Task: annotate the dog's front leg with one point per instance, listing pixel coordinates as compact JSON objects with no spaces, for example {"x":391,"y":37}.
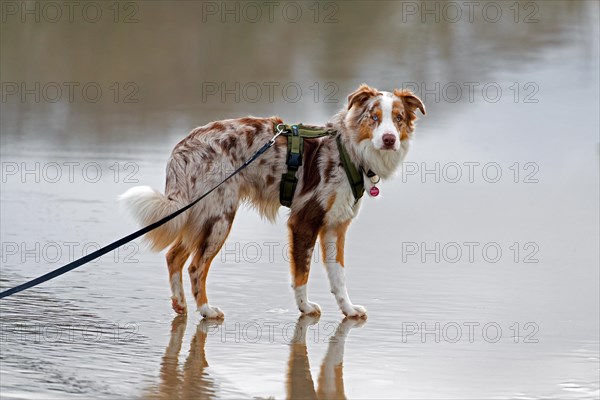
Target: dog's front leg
{"x":332,"y":242}
{"x":303,"y":234}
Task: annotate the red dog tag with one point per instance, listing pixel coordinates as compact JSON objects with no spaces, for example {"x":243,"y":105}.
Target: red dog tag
{"x":374,"y":191}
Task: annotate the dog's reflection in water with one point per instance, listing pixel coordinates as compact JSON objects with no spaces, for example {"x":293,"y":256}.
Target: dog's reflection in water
{"x":330,"y":385}
{"x":194,"y":382}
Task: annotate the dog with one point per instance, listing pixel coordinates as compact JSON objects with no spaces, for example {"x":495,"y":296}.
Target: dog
{"x":375,"y":127}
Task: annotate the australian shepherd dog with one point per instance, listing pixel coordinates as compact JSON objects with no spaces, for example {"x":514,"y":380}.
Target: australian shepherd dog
{"x":375,"y":127}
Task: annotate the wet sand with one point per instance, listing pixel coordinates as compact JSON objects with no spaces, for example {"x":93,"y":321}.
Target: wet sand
{"x":449,"y":316}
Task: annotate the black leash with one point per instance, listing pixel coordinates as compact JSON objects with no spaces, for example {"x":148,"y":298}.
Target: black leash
{"x":114,"y":245}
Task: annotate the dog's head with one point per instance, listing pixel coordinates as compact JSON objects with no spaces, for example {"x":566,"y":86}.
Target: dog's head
{"x":382,"y":120}
{"x":380,"y":125}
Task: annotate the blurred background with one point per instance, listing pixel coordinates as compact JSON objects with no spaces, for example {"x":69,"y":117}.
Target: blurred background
{"x":96,"y":94}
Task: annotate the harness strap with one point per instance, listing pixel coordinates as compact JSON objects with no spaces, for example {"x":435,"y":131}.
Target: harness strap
{"x":295,"y":135}
{"x":289,"y":181}
{"x":305,"y":131}
{"x":355,"y":177}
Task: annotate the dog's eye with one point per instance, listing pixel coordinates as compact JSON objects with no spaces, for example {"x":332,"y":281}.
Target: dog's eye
{"x":398,"y":117}
{"x":375,"y":118}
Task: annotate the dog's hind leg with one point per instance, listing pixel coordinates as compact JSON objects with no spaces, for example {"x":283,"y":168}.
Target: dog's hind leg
{"x":176,"y":258}
{"x":214,"y":232}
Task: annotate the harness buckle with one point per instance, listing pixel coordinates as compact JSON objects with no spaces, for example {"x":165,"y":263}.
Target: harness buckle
{"x":294,"y":160}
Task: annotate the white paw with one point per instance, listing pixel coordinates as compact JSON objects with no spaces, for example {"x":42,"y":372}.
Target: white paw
{"x":355,"y":312}
{"x":309,"y":308}
{"x":302,"y":325}
{"x":208,"y":326}
{"x":211,"y":312}
{"x":349,"y":323}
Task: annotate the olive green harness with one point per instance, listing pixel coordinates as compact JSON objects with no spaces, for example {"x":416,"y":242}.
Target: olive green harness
{"x":295,"y":136}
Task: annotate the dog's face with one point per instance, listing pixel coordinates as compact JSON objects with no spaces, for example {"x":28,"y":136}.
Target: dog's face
{"x":382,"y":120}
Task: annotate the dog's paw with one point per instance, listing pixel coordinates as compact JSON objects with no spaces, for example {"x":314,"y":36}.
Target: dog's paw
{"x":355,"y":312}
{"x":211,"y":312}
{"x":309,"y":308}
{"x":207,"y":326}
{"x":179,"y":307}
{"x":306,"y":320}
{"x":303,"y":324}
{"x":349,"y":323}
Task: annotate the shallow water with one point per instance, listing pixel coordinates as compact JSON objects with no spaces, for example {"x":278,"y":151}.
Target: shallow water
{"x":443,"y":323}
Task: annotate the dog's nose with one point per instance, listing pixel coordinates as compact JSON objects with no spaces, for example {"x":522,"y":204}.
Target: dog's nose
{"x":388,"y":139}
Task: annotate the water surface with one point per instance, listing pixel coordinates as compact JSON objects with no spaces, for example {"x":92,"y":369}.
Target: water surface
{"x":107,"y":330}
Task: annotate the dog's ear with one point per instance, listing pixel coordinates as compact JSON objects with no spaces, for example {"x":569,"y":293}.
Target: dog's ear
{"x":410,"y":101}
{"x":361,"y":95}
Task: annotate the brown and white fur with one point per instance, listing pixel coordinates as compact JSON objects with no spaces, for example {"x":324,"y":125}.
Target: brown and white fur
{"x":375,"y":127}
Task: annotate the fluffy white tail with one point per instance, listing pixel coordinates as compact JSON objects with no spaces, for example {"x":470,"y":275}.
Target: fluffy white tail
{"x":147,"y":206}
